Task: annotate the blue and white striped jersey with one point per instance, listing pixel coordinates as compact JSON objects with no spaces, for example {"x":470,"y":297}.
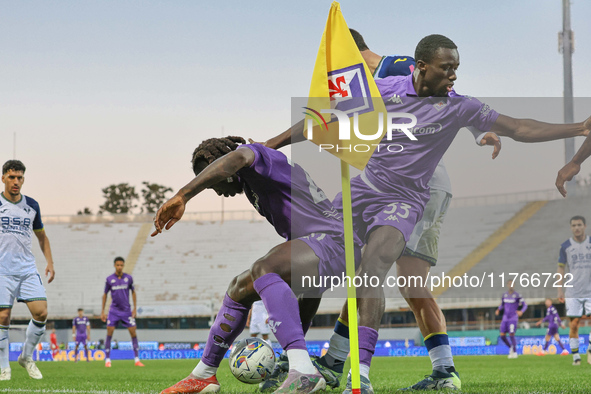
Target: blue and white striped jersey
{"x":577,"y":256}
{"x":17,"y":223}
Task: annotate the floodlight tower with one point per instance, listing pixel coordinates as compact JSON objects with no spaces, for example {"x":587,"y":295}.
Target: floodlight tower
{"x":566,"y":47}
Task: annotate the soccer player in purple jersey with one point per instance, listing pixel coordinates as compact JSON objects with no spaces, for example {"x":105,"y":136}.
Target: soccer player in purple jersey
{"x":301,"y":213}
{"x":421,"y":249}
{"x":120,"y":285}
{"x":510,"y":304}
{"x":554,"y":322}
{"x":390,"y":195}
{"x":81,"y":333}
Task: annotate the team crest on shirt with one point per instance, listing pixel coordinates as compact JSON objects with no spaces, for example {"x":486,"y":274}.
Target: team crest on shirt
{"x":349,"y":90}
{"x":125,"y":280}
{"x":112,"y":280}
{"x":440,"y":105}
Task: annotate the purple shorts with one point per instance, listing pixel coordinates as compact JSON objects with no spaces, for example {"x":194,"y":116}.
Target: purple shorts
{"x":80,"y":340}
{"x":552,"y":330}
{"x":508,"y":326}
{"x":118,"y":316}
{"x":331,"y":252}
{"x":372,"y":208}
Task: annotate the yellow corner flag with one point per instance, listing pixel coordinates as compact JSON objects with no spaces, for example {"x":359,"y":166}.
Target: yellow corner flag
{"x":343,"y":118}
{"x":344,"y":91}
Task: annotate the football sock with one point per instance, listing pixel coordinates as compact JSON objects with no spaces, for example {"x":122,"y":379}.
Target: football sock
{"x":368,"y":337}
{"x":228,"y":324}
{"x":284,"y":319}
{"x":574,"y":348}
{"x":203,"y":371}
{"x":560,"y":344}
{"x":338,"y":348}
{"x":547,"y":344}
{"x":437,"y":345}
{"x":108,"y":347}
{"x":33,"y":335}
{"x":4,"y":348}
{"x":299,"y":360}
{"x":364,"y":370}
{"x":136,"y":348}
{"x":504,"y":338}
{"x":513,"y":343}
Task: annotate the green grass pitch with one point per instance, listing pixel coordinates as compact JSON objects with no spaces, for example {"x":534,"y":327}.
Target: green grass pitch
{"x":480,"y":374}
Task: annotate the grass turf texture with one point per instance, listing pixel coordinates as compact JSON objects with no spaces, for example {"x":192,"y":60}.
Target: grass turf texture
{"x":480,"y":374}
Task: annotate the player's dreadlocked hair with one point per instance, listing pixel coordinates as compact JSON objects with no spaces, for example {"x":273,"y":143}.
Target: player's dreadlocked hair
{"x":212,"y":149}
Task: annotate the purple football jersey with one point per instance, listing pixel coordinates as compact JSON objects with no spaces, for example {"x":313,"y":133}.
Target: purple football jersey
{"x":119,"y":288}
{"x":284,"y":193}
{"x":552,"y":317}
{"x":510,"y":303}
{"x":403,"y":166}
{"x":80,"y":323}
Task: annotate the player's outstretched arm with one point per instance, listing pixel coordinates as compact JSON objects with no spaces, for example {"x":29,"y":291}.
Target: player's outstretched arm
{"x":218,"y":171}
{"x":46,"y":249}
{"x":529,"y":130}
{"x":290,"y":136}
{"x":573,"y":167}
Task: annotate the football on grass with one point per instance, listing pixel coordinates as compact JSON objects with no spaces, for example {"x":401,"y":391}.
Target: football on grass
{"x":252,"y":360}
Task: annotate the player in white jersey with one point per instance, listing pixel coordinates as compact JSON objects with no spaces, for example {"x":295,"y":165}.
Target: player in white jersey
{"x":20,"y":217}
{"x":257,"y":321}
{"x":575,"y":253}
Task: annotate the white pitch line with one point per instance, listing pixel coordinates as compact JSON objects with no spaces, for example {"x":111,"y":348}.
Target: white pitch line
{"x":67,"y":391}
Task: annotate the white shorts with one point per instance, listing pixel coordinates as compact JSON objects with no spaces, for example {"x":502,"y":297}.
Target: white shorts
{"x":576,"y":306}
{"x":259,"y":327}
{"x":424,"y":240}
{"x":24,"y":288}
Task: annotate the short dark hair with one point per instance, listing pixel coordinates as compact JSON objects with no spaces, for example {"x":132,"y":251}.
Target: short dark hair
{"x":80,"y":309}
{"x":118,"y":258}
{"x":212,"y":149}
{"x":428,"y":46}
{"x":359,"y":41}
{"x":578,"y":217}
{"x":14,"y":165}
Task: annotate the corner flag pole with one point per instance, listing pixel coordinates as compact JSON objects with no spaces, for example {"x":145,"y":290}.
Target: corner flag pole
{"x":350,"y":265}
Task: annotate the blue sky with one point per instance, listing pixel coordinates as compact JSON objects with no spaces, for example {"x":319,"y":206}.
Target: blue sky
{"x":111,"y":91}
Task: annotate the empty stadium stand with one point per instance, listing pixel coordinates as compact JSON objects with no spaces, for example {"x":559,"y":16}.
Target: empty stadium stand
{"x":185,"y":271}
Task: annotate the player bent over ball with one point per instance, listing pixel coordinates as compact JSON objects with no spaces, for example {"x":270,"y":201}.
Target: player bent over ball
{"x":301,"y":213}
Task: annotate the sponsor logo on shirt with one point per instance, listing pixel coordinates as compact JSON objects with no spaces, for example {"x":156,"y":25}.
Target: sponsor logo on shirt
{"x":485,"y":109}
{"x":427,"y":128}
{"x":119,"y":287}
